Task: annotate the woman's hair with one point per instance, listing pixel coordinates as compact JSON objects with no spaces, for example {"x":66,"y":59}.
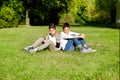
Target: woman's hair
{"x":52,"y":25}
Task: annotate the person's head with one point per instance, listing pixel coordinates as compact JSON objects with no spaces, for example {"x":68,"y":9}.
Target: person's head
{"x":52,"y":29}
{"x":66,"y":28}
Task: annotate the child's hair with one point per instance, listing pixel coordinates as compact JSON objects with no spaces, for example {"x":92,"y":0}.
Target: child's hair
{"x":66,"y":25}
{"x":52,"y":25}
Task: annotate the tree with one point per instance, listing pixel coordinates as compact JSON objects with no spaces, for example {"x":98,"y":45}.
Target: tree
{"x":46,"y":11}
{"x":26,"y":5}
{"x":100,"y":12}
{"x":38,"y":12}
{"x":118,"y":14}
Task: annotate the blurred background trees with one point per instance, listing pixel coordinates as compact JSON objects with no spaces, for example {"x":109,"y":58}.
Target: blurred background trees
{"x":11,"y":13}
{"x":41,"y":12}
{"x":118,"y":14}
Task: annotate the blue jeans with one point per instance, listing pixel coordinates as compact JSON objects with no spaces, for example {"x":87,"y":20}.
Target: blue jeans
{"x":72,"y":43}
{"x":82,"y":41}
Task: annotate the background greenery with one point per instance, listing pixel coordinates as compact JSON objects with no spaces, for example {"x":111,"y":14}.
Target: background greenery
{"x":41,"y":12}
{"x":17,"y":64}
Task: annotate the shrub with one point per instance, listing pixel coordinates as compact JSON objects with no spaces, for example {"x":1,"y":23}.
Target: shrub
{"x":11,"y":13}
{"x":8,"y":18}
{"x":100,"y":17}
{"x":68,"y":17}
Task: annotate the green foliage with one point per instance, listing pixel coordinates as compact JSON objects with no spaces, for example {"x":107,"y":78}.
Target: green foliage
{"x":76,"y":12}
{"x":59,"y":11}
{"x":45,"y":11}
{"x":7,"y":17}
{"x":68,"y":17}
{"x":102,"y":12}
{"x":11,"y":13}
{"x":118,"y":14}
{"x":97,"y":11}
{"x":82,"y":11}
{"x":100,"y":17}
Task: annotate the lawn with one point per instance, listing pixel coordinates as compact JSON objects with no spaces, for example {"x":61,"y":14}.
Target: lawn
{"x":17,"y":64}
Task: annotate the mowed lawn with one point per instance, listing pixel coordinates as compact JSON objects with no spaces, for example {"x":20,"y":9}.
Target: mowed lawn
{"x":17,"y":64}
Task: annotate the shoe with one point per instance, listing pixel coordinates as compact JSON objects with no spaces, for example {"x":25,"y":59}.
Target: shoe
{"x":91,"y":50}
{"x":84,"y":51}
{"x":28,"y":48}
{"x":33,"y":50}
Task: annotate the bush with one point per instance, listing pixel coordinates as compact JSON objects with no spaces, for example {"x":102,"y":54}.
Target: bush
{"x":8,"y":18}
{"x":11,"y":13}
{"x":68,"y":17}
{"x":100,"y":17}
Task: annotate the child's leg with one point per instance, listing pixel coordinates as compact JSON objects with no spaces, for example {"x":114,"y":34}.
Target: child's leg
{"x":77,"y":43}
{"x":82,"y":41}
{"x":41,"y":47}
{"x":69,"y":46}
{"x":52,"y":46}
{"x":38,"y":42}
{"x":34,"y":45}
{"x":44,"y":46}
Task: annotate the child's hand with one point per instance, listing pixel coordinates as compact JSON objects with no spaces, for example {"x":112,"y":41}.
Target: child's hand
{"x":82,"y":35}
{"x":45,"y":41}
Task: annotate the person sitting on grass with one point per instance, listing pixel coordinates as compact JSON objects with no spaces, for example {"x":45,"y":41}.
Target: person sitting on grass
{"x":52,"y":41}
{"x":69,"y":40}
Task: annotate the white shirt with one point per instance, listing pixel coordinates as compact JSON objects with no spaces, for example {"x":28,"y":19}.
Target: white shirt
{"x":52,"y":38}
{"x":64,"y":38}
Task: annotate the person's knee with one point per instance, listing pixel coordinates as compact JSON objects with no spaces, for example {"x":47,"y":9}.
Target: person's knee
{"x":49,"y":42}
{"x":41,"y":39}
{"x":70,"y":41}
{"x":75,"y":40}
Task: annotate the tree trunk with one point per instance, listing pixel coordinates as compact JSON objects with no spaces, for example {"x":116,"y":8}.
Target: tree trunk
{"x":27,"y":14}
{"x":118,"y":14}
{"x":27,"y":19}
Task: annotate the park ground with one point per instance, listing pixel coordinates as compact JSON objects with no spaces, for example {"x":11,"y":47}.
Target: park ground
{"x":17,"y":64}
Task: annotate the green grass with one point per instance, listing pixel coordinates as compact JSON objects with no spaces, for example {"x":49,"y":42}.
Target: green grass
{"x":16,"y":64}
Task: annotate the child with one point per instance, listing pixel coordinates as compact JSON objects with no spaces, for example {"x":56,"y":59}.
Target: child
{"x":52,"y":41}
{"x":69,"y":40}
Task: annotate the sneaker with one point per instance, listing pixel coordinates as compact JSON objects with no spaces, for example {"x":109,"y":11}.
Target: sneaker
{"x":33,"y":50}
{"x":28,"y":48}
{"x":91,"y":50}
{"x":84,"y":51}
